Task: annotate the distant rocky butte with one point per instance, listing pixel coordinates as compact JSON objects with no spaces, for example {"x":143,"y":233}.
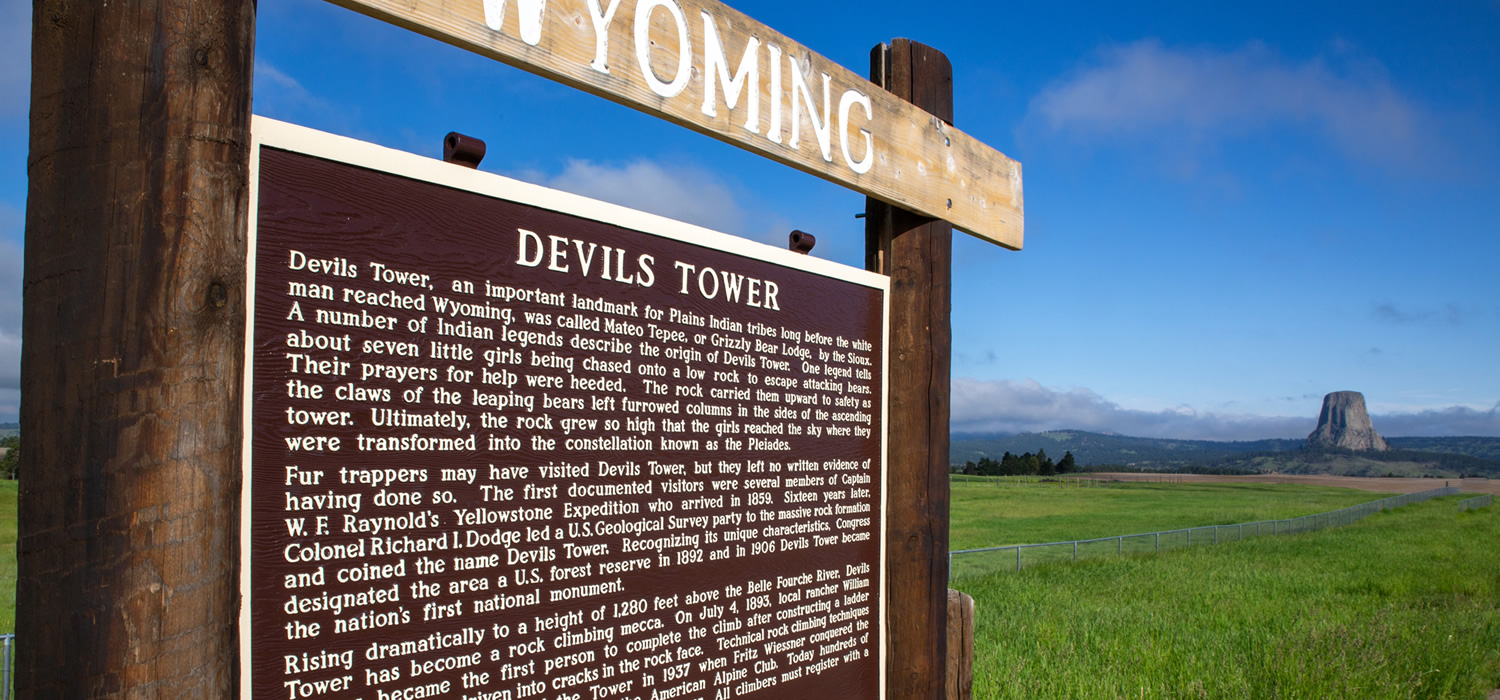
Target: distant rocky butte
{"x":1345,"y":424}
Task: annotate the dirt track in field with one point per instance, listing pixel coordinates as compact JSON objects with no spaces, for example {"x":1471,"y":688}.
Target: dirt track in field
{"x":1348,"y":482}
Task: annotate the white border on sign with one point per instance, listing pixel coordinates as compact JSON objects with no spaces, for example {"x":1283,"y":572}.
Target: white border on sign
{"x":299,"y":139}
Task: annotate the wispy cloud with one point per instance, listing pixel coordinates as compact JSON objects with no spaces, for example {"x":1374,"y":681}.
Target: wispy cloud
{"x":10,"y":361}
{"x":1449,"y":314}
{"x":15,"y":58}
{"x":1025,"y":406}
{"x":280,"y":95}
{"x":1196,"y":97}
{"x":685,"y":193}
{"x":11,"y":271}
{"x":12,"y":221}
{"x":987,"y":357}
{"x":10,"y":324}
{"x":1444,"y":422}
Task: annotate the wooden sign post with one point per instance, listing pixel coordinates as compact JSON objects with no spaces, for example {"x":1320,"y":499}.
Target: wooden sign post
{"x":135,"y":301}
{"x":916,"y":252}
{"x":134,"y":327}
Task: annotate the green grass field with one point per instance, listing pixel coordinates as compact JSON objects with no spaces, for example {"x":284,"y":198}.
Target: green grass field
{"x":985,"y":515}
{"x":8,"y":491}
{"x":1404,"y":604}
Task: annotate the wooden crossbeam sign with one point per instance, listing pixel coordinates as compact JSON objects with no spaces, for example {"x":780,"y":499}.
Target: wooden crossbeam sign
{"x":708,"y":67}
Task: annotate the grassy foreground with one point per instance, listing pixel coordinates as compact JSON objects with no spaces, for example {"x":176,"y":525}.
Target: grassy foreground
{"x":985,"y":515}
{"x":1404,"y":604}
{"x":8,"y":492}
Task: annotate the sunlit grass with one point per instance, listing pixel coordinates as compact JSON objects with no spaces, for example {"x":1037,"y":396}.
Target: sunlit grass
{"x":986,"y":515}
{"x":8,"y":491}
{"x":1404,"y":604}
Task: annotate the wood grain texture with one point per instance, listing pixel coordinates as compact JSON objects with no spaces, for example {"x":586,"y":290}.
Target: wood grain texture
{"x":960,"y":646}
{"x":134,"y":327}
{"x":916,"y":252}
{"x":920,"y":161}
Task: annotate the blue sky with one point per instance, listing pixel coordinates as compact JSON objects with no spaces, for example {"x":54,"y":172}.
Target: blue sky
{"x":1229,"y":212}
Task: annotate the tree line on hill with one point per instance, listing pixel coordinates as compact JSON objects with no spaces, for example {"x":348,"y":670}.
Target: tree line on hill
{"x":1394,"y":462}
{"x":1028,"y":464}
{"x":1437,"y":457}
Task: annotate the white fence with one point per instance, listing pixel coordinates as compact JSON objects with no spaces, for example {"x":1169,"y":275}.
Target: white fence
{"x":1475,"y":502}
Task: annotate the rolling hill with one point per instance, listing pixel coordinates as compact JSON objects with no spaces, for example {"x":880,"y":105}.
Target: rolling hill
{"x":1421,"y":456}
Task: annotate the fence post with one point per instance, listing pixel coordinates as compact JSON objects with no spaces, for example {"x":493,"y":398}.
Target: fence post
{"x":5,"y":679}
{"x":960,"y":668}
{"x":1158,"y":542}
{"x":1018,"y":558}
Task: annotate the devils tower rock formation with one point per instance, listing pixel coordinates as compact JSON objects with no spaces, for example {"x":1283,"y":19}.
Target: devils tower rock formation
{"x":1345,"y":424}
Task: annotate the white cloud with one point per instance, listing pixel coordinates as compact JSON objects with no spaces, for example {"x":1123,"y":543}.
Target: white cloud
{"x":10,"y":328}
{"x":11,"y":271}
{"x":279,"y":95}
{"x":1197,"y":96}
{"x":1444,"y":422}
{"x":679,"y":192}
{"x":1450,"y":314}
{"x":12,"y":221}
{"x":696,"y":196}
{"x":10,"y":363}
{"x":10,"y":405}
{"x":1025,"y":406}
{"x":15,"y":58}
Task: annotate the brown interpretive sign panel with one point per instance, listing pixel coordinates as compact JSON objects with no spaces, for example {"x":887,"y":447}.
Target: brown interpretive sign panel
{"x":504,"y":442}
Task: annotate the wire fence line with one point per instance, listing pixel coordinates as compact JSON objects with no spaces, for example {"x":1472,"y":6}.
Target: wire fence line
{"x":1475,"y":502}
{"x":970,"y":562}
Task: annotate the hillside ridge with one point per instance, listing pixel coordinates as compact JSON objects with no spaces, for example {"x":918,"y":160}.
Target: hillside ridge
{"x":1416,"y":456}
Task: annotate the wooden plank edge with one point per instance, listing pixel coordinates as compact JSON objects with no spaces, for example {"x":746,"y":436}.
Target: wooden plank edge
{"x":999,"y":222}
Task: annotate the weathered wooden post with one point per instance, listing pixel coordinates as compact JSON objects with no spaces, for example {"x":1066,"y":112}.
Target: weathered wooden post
{"x":135,"y":313}
{"x":916,"y":252}
{"x":134,"y":326}
{"x":960,"y":673}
